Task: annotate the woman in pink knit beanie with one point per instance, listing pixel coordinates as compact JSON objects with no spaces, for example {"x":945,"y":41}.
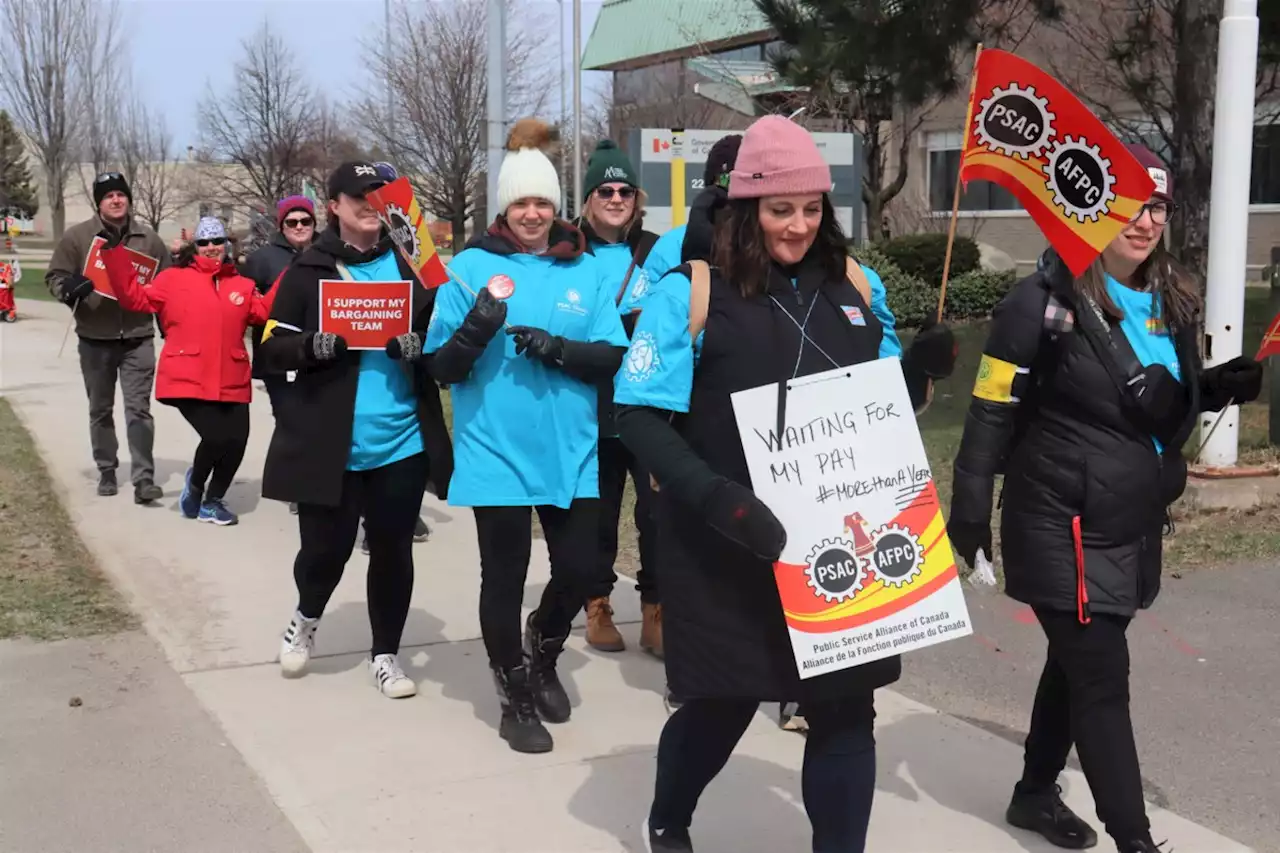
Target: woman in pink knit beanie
{"x":784,"y":300}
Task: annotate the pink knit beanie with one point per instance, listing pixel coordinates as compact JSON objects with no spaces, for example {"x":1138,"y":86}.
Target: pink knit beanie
{"x":778,"y":157}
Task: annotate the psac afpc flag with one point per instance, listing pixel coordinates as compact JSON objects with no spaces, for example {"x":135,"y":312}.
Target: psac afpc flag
{"x":1029,"y":134}
{"x":868,"y":570}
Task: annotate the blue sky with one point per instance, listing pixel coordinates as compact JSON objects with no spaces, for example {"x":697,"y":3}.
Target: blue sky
{"x":178,"y":45}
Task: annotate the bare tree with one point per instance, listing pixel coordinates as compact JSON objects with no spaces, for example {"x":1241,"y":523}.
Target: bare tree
{"x":330,"y":143}
{"x":38,"y":43}
{"x":101,"y":72}
{"x":148,"y":162}
{"x":435,"y":67}
{"x":255,"y":137}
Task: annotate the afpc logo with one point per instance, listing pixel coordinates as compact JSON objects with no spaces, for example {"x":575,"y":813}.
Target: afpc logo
{"x":1080,"y":179}
{"x":642,"y":358}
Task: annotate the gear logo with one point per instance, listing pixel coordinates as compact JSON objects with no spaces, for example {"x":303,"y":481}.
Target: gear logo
{"x":1015,"y":121}
{"x":833,"y":570}
{"x":403,"y":234}
{"x":897,"y":558}
{"x":642,"y":357}
{"x":1080,"y":179}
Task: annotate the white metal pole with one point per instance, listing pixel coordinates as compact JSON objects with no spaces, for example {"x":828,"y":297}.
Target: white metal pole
{"x":564,"y":113}
{"x":391,"y":108}
{"x":497,"y":110}
{"x":1229,"y":207}
{"x":577,"y":103}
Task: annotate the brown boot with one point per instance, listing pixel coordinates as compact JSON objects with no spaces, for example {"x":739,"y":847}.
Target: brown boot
{"x":651,"y":629}
{"x":602,"y":634}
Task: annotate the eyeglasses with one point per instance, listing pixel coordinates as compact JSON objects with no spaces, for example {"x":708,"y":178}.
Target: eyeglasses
{"x":305,"y":222}
{"x":215,"y":241}
{"x":1159,"y":211}
{"x":606,"y":193}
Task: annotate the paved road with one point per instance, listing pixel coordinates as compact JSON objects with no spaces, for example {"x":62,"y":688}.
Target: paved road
{"x":354,"y":771}
{"x":1206,"y":692}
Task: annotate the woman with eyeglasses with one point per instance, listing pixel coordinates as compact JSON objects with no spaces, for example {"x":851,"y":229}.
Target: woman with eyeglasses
{"x":612,"y":217}
{"x":204,"y":307}
{"x":1089,"y":389}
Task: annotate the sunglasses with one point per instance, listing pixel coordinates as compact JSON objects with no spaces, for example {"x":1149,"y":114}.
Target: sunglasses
{"x":305,"y":222}
{"x":216,"y":241}
{"x":108,"y":176}
{"x":607,"y":193}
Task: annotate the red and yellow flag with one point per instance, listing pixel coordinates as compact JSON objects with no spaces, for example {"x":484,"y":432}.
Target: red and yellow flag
{"x":399,"y":211}
{"x":1270,"y":341}
{"x":1029,"y":134}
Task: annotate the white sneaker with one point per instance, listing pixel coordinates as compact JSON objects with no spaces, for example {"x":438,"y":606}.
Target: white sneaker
{"x":390,"y":678}
{"x":297,"y":644}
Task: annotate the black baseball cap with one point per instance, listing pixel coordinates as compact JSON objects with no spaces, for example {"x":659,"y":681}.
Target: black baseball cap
{"x":354,"y":178}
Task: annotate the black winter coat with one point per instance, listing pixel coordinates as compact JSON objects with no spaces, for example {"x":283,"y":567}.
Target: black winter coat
{"x":264,"y":267}
{"x":724,"y":632}
{"x":312,"y":440}
{"x":1085,"y":491}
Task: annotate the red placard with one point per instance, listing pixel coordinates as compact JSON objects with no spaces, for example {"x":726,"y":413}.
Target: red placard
{"x":96,"y":271}
{"x":366,"y":314}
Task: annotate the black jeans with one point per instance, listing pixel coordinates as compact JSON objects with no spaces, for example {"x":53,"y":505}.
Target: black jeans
{"x":506,"y":537}
{"x":1083,"y":698}
{"x":224,"y":434}
{"x":838,"y":781}
{"x":389,"y":498}
{"x":615,"y":463}
{"x":133,"y":361}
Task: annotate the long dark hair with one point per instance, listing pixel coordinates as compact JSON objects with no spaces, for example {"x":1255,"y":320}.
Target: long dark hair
{"x":738,"y":249}
{"x":1162,"y":275}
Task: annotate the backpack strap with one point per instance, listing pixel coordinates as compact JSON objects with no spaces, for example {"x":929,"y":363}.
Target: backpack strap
{"x":858,"y":279}
{"x":699,"y":297}
{"x":344,"y":272}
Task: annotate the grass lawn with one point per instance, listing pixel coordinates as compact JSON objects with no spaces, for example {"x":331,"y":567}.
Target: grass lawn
{"x":31,"y":286}
{"x":49,"y":585}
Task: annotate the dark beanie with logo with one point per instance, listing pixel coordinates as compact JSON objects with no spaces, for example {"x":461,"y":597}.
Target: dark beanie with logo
{"x":608,"y":165}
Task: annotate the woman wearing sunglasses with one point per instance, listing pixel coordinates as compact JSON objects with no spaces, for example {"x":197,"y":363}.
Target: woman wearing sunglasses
{"x":1089,"y":389}
{"x":612,"y":213}
{"x":204,"y":307}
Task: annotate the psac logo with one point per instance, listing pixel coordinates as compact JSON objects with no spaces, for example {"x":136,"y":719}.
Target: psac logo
{"x":838,"y":571}
{"x":572,"y":303}
{"x":1017,"y":122}
{"x":642,"y":357}
{"x":641,"y":287}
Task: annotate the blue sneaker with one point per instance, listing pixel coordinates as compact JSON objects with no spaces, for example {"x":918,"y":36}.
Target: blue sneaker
{"x":215,"y":511}
{"x":191,"y":498}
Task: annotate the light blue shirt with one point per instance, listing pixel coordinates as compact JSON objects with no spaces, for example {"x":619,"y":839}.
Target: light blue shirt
{"x":658,"y":368}
{"x":384,"y":428}
{"x":525,"y":433}
{"x":664,"y":256}
{"x":1144,"y":327}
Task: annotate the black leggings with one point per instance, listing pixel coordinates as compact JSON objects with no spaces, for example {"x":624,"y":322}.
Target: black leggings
{"x":838,"y":781}
{"x":224,"y":434}
{"x":389,"y":498}
{"x":506,"y":537}
{"x":616,"y":462}
{"x":1083,"y":698}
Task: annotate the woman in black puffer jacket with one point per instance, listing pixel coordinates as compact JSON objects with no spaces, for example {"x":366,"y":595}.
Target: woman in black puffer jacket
{"x":1088,"y":391}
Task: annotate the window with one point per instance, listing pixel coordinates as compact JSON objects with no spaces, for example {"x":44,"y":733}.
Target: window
{"x":1264,"y":185}
{"x":944,"y":166}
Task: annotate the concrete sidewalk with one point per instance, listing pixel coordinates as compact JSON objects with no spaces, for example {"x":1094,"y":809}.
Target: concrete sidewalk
{"x":356,"y":772}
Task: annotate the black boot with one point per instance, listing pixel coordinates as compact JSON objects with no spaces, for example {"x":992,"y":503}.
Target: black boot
{"x":146,"y":492}
{"x":107,"y":485}
{"x":1045,"y":813}
{"x":542,"y":653}
{"x":520,"y":726}
{"x":1144,"y":845}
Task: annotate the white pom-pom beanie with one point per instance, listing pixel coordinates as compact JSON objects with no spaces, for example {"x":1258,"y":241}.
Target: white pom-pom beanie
{"x":527,"y":173}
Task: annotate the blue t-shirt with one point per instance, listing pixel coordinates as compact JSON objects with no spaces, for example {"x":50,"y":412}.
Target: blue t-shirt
{"x":658,"y":368}
{"x":665,"y":254}
{"x":614,"y":260}
{"x":1144,"y":327}
{"x":385,"y":426}
{"x":525,"y":433}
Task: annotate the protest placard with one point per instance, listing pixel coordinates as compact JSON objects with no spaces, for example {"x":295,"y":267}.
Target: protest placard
{"x":868,"y":570}
{"x":96,"y":271}
{"x":366,"y":314}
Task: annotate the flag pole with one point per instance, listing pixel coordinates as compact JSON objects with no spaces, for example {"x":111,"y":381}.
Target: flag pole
{"x":955,"y":198}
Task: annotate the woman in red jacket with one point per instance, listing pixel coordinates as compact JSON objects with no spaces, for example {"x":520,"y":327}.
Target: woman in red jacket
{"x":204,"y":307}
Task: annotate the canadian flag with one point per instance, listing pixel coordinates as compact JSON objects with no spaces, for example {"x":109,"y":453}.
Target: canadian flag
{"x":660,"y":145}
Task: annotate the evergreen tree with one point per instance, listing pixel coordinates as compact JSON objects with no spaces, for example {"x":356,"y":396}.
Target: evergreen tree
{"x":18,"y":194}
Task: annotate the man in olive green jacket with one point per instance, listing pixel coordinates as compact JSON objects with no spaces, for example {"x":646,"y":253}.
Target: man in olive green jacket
{"x":113,"y":342}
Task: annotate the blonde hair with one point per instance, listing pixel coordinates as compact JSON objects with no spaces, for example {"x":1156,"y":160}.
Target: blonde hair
{"x":637,"y":213}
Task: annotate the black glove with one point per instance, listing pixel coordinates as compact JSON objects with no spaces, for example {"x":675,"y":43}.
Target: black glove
{"x":112,"y":236}
{"x":1239,"y":379}
{"x":736,"y":513}
{"x":484,"y":319}
{"x":537,"y":343}
{"x":74,"y":288}
{"x":326,"y":346}
{"x":406,"y":347}
{"x":934,"y":350}
{"x":967,"y":537}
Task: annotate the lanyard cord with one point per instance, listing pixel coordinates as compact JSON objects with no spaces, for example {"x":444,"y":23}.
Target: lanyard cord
{"x":804,"y":336}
